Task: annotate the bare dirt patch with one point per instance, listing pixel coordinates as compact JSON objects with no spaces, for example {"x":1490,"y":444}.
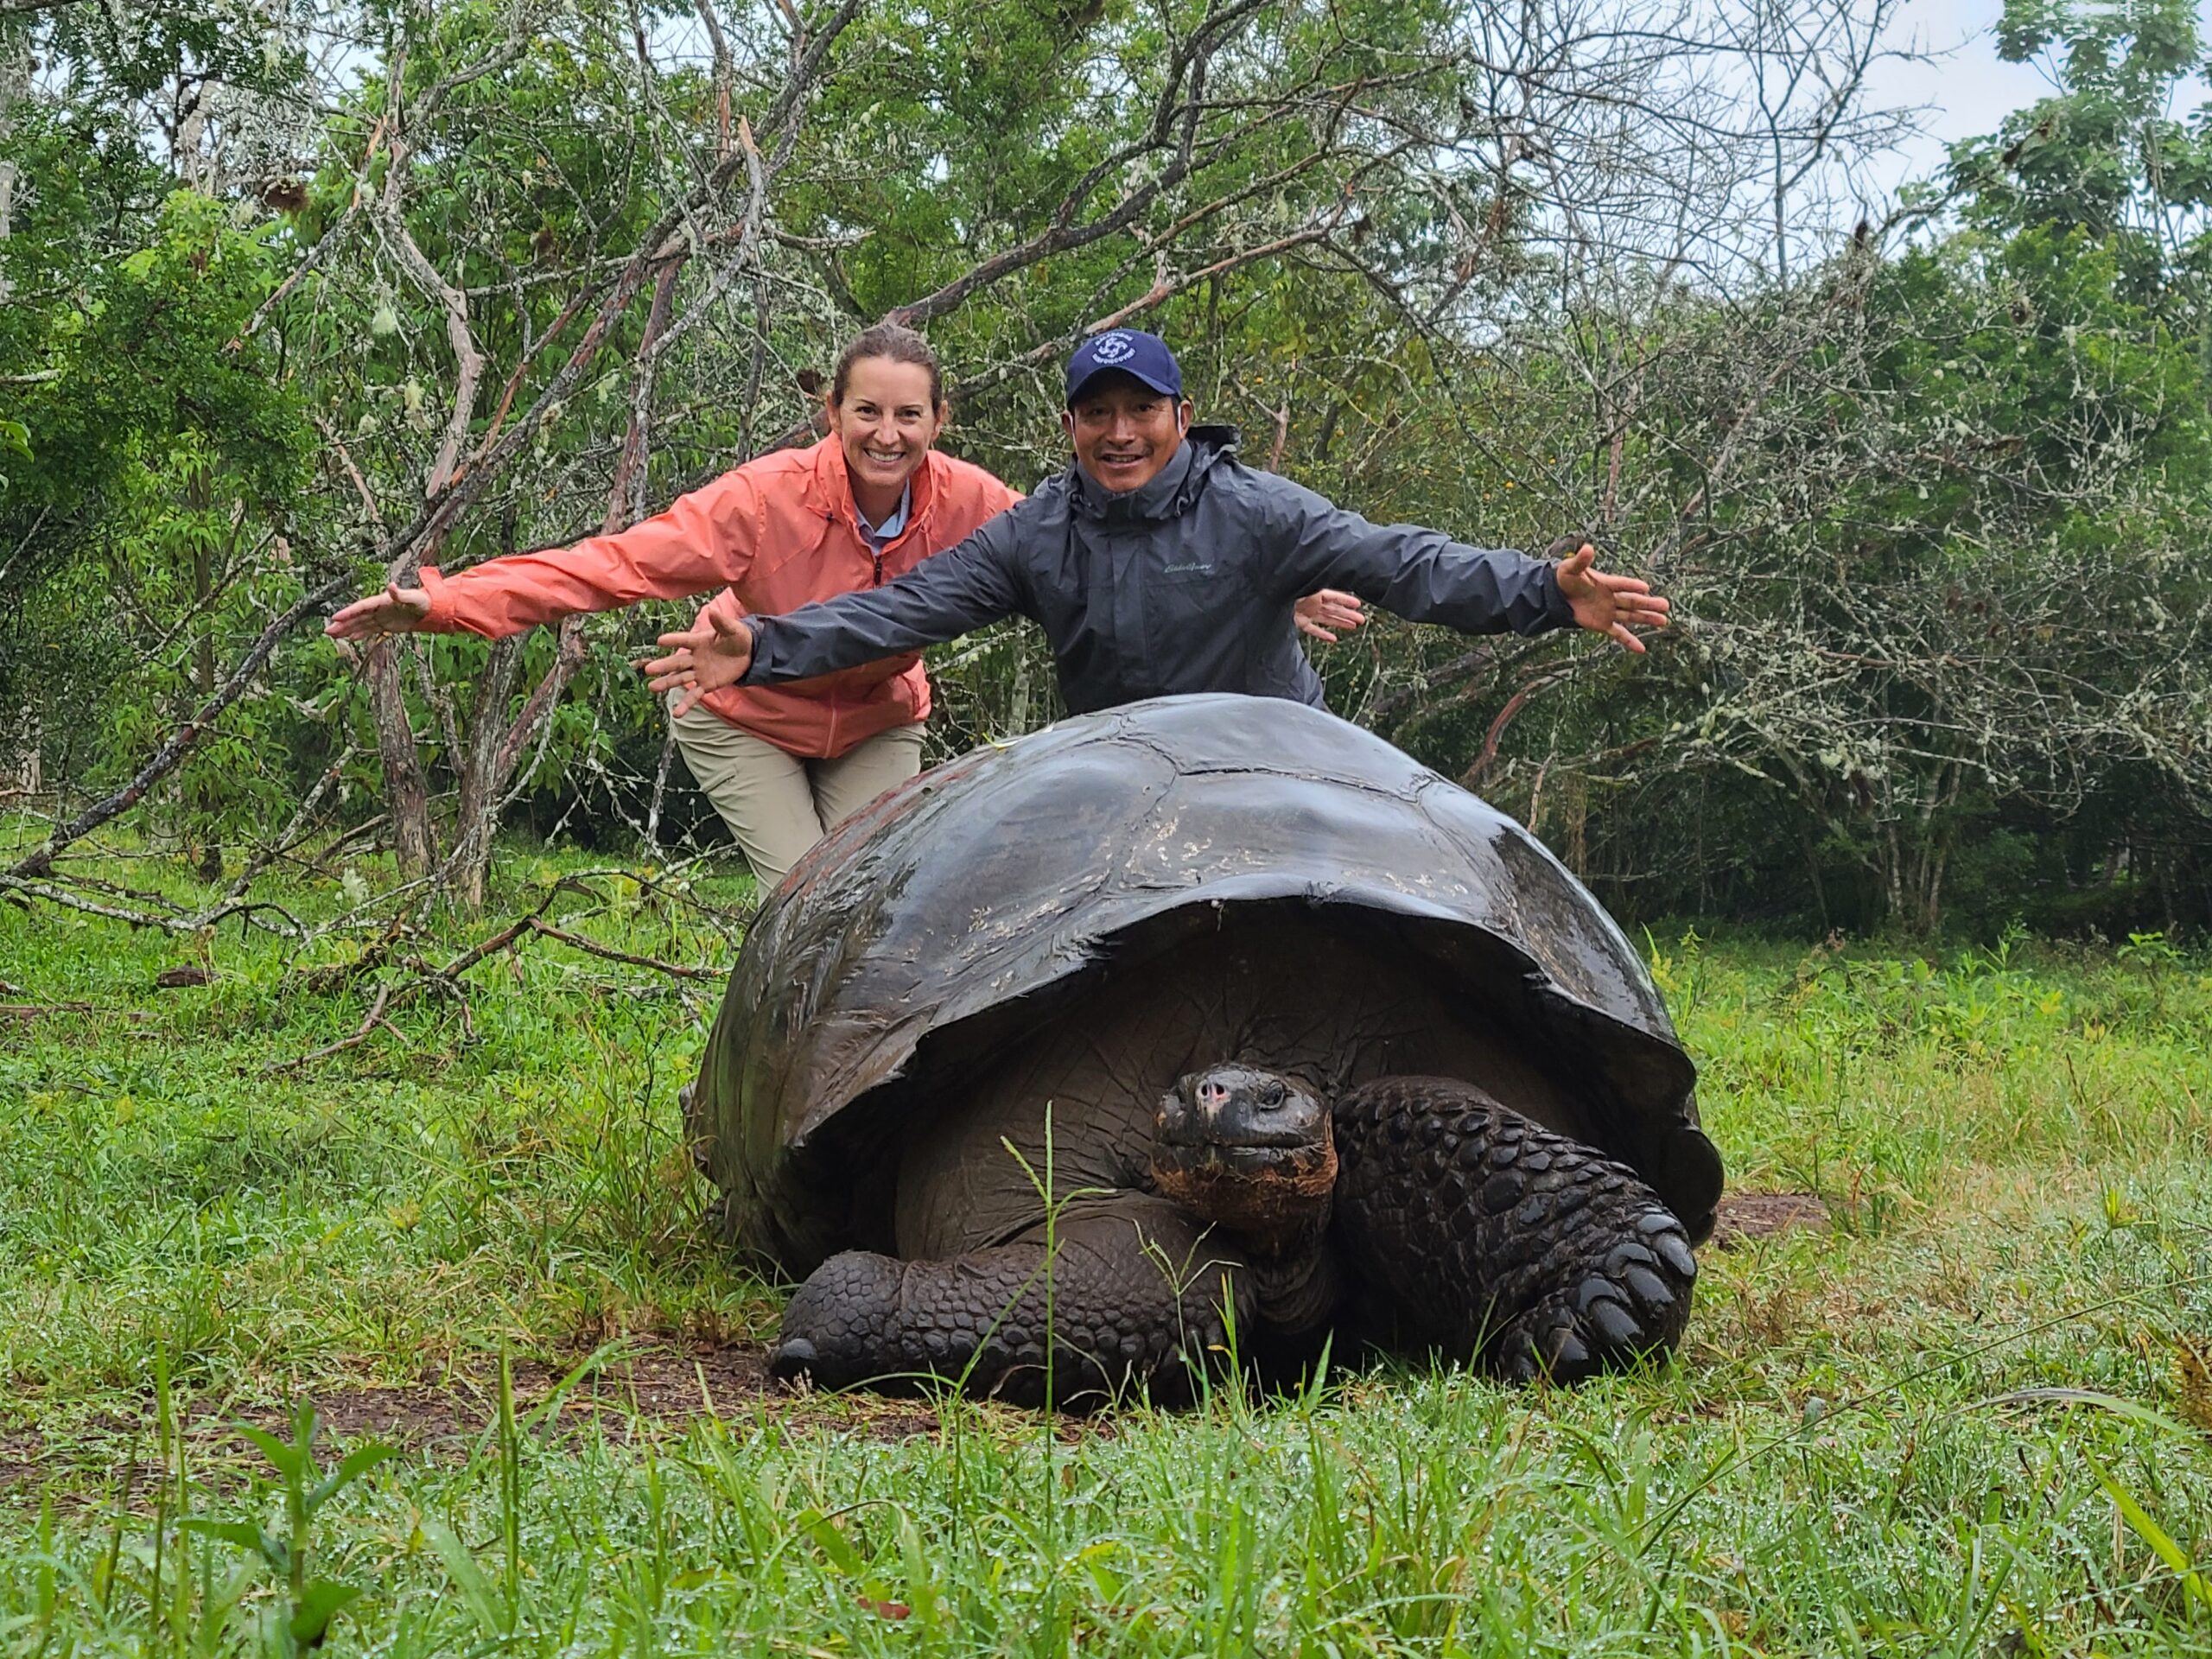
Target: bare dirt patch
{"x":19,"y":1458}
{"x":1748,"y":1216}
{"x":661,"y":1383}
{"x":646,"y":1388}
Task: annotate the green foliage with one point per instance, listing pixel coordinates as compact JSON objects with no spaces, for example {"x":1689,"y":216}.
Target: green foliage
{"x":126,"y":338}
{"x":303,"y":1620}
{"x":154,"y":447}
{"x":1931,"y":512}
{"x":2105,"y":151}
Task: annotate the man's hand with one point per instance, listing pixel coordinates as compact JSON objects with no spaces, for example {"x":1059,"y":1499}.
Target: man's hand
{"x":1602,"y":603}
{"x":701,"y":659}
{"x":1317,"y":613}
{"x":396,"y":610}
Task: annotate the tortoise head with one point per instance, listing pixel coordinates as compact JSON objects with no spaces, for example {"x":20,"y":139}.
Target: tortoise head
{"x":1249,"y":1150}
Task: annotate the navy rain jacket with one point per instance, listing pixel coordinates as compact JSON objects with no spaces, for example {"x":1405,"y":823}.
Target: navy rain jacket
{"x":1184,"y":585}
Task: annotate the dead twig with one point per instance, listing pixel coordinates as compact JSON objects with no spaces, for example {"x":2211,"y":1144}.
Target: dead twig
{"x":423,"y":975}
{"x":1514,"y":704}
{"x":369,"y":1023}
{"x":593,"y":948}
{"x":291,"y":835}
{"x":336,"y":975}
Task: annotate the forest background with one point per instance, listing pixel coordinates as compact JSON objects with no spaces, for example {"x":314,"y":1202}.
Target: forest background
{"x":295,"y":297}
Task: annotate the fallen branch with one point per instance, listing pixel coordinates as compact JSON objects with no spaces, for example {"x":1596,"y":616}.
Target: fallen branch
{"x":294,"y":832}
{"x":593,"y":948}
{"x":369,"y":1023}
{"x":335,"y":976}
{"x":198,"y":922}
{"x":423,"y":975}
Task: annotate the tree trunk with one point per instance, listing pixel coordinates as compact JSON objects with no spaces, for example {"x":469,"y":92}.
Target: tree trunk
{"x":199,"y":495}
{"x":660,"y":790}
{"x":481,"y":780}
{"x":494,"y":749}
{"x":407,"y":797}
{"x":14,"y":81}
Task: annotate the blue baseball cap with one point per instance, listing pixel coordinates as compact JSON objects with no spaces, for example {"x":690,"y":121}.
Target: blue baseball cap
{"x":1126,"y":351}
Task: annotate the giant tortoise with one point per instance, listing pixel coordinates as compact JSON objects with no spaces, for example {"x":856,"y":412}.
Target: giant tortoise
{"x":1301,"y":1038}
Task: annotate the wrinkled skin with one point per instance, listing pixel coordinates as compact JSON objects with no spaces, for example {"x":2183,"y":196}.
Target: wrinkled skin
{"x":1280,"y":1133}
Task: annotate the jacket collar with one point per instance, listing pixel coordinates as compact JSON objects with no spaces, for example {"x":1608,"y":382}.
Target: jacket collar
{"x":829,"y":489}
{"x":1170,"y":494}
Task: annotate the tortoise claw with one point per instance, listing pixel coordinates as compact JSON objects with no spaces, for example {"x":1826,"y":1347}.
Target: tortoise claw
{"x":792,"y":1360}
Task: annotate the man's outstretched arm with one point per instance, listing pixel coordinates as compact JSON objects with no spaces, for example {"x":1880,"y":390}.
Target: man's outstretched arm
{"x":1426,"y":577}
{"x":946,"y":596}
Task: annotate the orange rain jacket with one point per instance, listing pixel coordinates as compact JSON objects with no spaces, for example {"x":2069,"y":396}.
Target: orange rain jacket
{"x":778,"y":532}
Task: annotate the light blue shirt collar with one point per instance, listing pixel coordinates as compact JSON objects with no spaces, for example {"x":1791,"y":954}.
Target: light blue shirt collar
{"x":879,"y":537}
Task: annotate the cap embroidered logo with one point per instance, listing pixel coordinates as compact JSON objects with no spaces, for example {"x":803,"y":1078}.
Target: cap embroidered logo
{"x":1132,"y":351}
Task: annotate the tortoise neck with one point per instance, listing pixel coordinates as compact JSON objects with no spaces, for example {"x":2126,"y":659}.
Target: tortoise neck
{"x":1299,"y":1287}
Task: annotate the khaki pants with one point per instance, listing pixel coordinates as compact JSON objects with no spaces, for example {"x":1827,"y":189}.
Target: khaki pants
{"x":777,"y":804}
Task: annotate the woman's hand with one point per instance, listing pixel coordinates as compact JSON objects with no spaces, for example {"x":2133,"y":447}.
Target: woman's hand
{"x":1602,"y":603}
{"x":705,"y":657}
{"x":396,"y":610}
{"x":1317,"y":613}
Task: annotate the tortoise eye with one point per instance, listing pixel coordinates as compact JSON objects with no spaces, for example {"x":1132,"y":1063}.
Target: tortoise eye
{"x":1271,"y":1094}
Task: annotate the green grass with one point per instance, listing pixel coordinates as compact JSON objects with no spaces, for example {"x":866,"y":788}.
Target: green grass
{"x":2017,"y":1147}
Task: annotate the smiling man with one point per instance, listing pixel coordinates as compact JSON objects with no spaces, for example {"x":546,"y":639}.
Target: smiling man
{"x":1158,"y":562}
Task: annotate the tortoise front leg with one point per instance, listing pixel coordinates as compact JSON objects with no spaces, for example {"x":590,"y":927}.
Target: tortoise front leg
{"x":1497,"y":1239}
{"x":1137,"y":1296}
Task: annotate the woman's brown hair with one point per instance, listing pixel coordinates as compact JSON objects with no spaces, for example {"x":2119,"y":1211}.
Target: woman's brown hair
{"x":894,"y":341}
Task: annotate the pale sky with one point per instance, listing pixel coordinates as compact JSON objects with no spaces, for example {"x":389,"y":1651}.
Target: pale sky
{"x":1968,"y":91}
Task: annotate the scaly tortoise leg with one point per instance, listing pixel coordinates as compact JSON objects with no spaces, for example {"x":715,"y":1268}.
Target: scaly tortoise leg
{"x":1136,"y":1297}
{"x":1501,"y":1241}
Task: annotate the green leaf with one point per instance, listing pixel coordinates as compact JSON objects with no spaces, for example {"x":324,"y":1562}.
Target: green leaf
{"x":476,"y":1592}
{"x":831,"y":1541}
{"x":319,"y":1604}
{"x":356,"y":1463}
{"x":286,"y":1459}
{"x":245,"y":1535}
{"x":2162,"y":1544}
{"x":2147,"y":1415}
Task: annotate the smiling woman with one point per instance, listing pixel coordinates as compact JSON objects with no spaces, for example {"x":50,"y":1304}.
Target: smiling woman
{"x":781,"y":764}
